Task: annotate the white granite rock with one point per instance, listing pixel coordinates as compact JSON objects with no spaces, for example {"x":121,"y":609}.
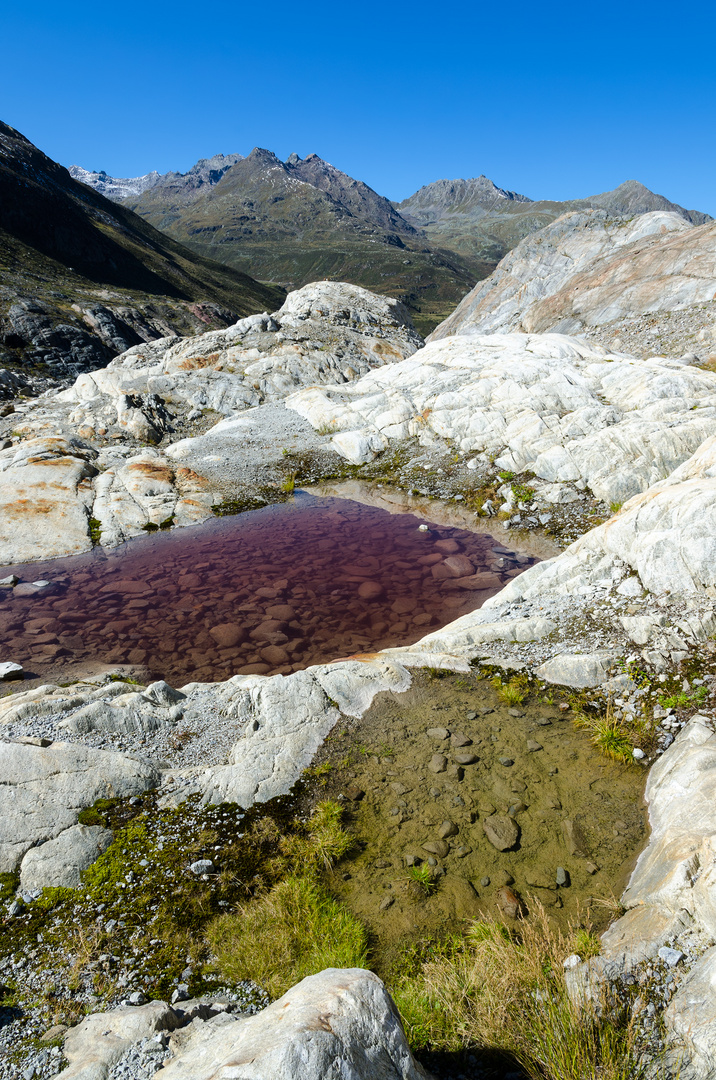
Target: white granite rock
{"x":546,"y":403}
{"x":42,"y":789}
{"x":587,"y":269}
{"x":60,"y":862}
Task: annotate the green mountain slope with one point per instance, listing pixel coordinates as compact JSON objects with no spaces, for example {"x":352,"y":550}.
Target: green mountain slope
{"x":303,"y":220}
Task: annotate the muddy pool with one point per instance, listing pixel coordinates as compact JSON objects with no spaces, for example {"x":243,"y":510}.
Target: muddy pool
{"x":426,"y":775}
{"x":273,"y":590}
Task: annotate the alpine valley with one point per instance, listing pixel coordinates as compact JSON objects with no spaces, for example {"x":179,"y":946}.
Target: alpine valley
{"x":357,"y":627}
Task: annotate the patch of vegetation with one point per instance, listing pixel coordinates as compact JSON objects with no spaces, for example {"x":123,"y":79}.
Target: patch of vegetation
{"x":683,"y":698}
{"x":615,"y":507}
{"x":585,"y":943}
{"x":288,"y":485}
{"x":422,"y":875}
{"x":514,"y":691}
{"x":434,"y":673}
{"x":9,"y":884}
{"x":506,"y":475}
{"x":95,"y":530}
{"x":608,"y":733}
{"x":297,"y":929}
{"x":505,"y":988}
{"x":522,"y":493}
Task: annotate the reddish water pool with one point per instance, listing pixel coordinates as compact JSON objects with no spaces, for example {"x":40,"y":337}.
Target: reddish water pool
{"x":274,"y":590}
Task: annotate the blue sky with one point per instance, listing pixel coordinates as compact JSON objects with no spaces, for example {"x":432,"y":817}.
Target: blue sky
{"x":554,"y":101}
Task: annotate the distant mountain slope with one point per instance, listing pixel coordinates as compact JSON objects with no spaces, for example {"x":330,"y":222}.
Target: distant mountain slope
{"x":304,"y":220}
{"x":72,"y":259}
{"x":478,"y":220}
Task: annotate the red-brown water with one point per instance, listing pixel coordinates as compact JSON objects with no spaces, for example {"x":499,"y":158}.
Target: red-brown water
{"x":275,"y":590}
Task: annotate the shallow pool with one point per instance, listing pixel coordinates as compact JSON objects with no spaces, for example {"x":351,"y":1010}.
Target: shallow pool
{"x":274,"y":590}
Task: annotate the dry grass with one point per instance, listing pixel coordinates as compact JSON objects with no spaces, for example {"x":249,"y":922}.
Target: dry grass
{"x":506,"y":989}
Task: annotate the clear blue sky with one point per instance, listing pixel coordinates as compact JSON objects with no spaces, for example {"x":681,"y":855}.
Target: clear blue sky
{"x":552,"y":100}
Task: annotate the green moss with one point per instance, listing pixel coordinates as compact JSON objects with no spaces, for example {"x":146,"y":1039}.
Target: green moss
{"x":52,"y":897}
{"x":9,"y":884}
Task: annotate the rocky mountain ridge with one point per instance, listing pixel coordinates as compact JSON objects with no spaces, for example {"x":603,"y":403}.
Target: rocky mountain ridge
{"x":114,"y":187}
{"x":479,"y":220}
{"x":424,"y":249}
{"x":82,"y":278}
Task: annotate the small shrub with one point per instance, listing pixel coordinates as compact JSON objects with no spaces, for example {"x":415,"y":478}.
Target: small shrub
{"x":615,"y":507}
{"x":506,"y":476}
{"x":296,"y":930}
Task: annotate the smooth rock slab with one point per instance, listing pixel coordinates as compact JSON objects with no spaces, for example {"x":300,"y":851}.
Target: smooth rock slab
{"x":60,"y":862}
{"x":580,"y":671}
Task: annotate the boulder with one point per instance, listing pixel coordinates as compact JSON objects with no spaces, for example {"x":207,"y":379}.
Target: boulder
{"x":577,"y":670}
{"x":60,"y":862}
{"x":338,"y":1025}
{"x":45,"y":495}
{"x":96,"y":1044}
{"x":44,"y":788}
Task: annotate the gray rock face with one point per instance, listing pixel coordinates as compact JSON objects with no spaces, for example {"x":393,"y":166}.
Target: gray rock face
{"x":42,"y":789}
{"x":338,"y":1025}
{"x":62,"y":860}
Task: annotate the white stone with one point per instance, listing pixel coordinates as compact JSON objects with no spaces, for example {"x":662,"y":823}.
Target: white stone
{"x":338,"y":1025}
{"x":44,"y":788}
{"x":60,"y":862}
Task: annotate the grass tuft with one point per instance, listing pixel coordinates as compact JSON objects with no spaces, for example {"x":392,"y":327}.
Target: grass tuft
{"x":422,"y":875}
{"x":506,"y":988}
{"x":512,"y":692}
{"x":608,"y":734}
{"x":296,"y":930}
